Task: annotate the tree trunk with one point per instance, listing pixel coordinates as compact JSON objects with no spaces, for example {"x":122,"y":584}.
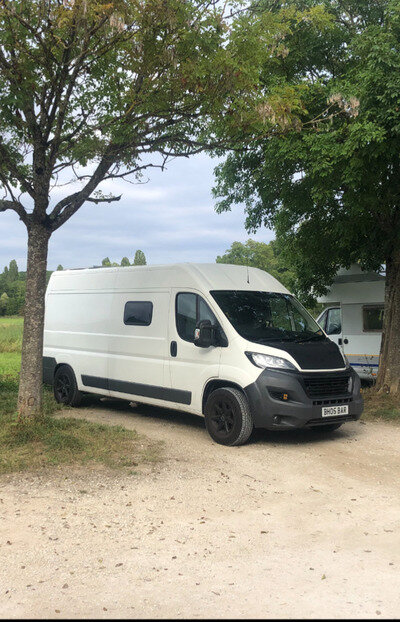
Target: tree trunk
{"x":388,"y":380}
{"x":31,"y":376}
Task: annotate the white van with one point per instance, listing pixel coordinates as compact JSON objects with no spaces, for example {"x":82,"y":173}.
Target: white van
{"x":224,"y":341}
{"x":354,"y":317}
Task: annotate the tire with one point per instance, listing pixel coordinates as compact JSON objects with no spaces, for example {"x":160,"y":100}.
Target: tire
{"x":329,"y":427}
{"x":228,"y":417}
{"x":65,"y":388}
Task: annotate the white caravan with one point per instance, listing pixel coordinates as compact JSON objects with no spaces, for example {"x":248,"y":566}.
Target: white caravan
{"x":227,"y":342}
{"x":354,"y":317}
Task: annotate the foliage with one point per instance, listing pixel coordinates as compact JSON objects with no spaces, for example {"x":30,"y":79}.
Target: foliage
{"x":332,"y":192}
{"x":12,"y":290}
{"x":108,"y":84}
{"x":125,"y":261}
{"x":140,"y":258}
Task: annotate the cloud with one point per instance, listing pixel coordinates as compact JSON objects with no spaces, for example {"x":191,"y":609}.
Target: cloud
{"x":171,"y":218}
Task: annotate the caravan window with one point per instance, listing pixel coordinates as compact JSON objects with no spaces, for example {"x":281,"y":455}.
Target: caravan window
{"x":138,"y":313}
{"x":372,"y":318}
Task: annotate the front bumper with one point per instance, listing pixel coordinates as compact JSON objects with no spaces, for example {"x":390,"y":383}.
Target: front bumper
{"x":300,"y":409}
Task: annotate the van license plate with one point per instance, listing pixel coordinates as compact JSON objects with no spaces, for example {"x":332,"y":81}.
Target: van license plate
{"x":334,"y":411}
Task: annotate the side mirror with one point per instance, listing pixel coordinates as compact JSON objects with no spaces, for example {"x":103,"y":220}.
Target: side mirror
{"x":204,"y":334}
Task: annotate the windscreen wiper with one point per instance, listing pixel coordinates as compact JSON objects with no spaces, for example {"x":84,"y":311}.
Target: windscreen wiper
{"x":303,"y":339}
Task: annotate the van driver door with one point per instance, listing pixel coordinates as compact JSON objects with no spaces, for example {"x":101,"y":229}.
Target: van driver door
{"x":190,"y":366}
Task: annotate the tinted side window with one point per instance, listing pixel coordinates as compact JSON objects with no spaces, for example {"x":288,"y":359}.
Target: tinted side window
{"x":138,"y":313}
{"x":191,"y":309}
{"x":373,"y":318}
{"x":186,"y":314}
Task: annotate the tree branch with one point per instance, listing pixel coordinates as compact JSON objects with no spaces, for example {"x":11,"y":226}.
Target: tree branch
{"x":17,"y":207}
{"x":69,"y":205}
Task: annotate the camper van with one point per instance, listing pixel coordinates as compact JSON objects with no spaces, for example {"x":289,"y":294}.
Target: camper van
{"x":227,"y":342}
{"x":353,"y":317}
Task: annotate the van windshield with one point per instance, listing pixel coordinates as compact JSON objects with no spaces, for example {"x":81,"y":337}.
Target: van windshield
{"x":264,"y":317}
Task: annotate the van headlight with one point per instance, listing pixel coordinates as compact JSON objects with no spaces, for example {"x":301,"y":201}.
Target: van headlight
{"x":266,"y":360}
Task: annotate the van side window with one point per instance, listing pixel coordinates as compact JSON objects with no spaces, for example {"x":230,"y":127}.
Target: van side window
{"x":190,"y":309}
{"x":373,"y":318}
{"x":138,"y":313}
{"x":186,"y":315}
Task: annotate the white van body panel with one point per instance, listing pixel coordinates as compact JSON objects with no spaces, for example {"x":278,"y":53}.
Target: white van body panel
{"x":84,"y":328}
{"x":353,"y":291}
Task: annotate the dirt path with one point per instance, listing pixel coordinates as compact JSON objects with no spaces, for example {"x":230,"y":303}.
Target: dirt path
{"x":295,"y":525}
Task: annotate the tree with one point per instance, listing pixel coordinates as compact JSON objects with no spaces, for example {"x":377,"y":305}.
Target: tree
{"x":125,"y":261}
{"x":101,"y":91}
{"x":259,"y":255}
{"x":106,"y":262}
{"x":332,"y":190}
{"x":140,"y":258}
{"x":60,"y":267}
{"x":13,"y":271}
{"x":3,"y":303}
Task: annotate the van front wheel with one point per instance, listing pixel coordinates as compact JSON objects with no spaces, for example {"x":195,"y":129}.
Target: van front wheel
{"x":228,"y":417}
{"x":65,"y":387}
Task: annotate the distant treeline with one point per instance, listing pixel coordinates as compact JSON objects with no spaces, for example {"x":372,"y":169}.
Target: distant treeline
{"x":13,"y":283}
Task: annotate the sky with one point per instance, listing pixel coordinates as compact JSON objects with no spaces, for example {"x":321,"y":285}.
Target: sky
{"x":171,"y":219}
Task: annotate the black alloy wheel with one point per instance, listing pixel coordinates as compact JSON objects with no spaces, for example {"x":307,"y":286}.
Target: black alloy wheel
{"x":65,"y":387}
{"x":228,"y":417}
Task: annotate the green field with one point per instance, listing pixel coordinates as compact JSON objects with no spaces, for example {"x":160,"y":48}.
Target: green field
{"x":10,"y":345}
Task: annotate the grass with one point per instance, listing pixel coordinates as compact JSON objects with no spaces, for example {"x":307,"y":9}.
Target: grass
{"x":11,"y":334}
{"x":54,"y":440}
{"x":10,"y":345}
{"x":380,"y":406}
{"x":64,"y":440}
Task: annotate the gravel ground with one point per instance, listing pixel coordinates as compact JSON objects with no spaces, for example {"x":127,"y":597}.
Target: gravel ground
{"x":291,"y":525}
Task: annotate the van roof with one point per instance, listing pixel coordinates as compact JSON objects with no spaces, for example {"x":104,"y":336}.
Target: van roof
{"x":202,"y":276}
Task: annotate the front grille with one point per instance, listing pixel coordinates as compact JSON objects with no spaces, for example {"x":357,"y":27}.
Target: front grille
{"x":333,"y":402}
{"x":327,"y":386}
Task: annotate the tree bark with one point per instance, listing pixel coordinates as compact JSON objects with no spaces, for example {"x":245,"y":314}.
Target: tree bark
{"x":30,"y":394}
{"x":388,"y":380}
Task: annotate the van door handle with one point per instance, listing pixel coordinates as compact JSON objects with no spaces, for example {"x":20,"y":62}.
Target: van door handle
{"x":173,"y":348}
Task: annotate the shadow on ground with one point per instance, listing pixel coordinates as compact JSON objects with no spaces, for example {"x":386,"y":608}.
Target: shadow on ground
{"x":187,"y":420}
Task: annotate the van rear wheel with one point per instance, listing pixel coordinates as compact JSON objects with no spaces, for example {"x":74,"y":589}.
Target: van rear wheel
{"x":228,"y":417}
{"x":65,"y":387}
